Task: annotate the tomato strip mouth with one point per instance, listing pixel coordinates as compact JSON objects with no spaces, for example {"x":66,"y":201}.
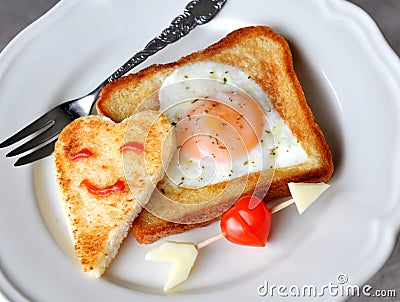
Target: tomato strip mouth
{"x":118,"y":186}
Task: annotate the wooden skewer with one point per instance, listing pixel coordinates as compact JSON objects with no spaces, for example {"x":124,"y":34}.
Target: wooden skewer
{"x":209,"y":240}
{"x":282,"y":205}
{"x":214,"y":238}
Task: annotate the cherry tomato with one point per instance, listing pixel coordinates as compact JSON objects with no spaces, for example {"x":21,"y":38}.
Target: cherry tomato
{"x":245,"y":226}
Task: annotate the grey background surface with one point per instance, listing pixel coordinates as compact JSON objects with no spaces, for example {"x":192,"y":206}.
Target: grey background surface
{"x":17,"y":14}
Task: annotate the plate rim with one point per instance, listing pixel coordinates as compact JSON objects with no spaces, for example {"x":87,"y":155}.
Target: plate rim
{"x":35,"y":27}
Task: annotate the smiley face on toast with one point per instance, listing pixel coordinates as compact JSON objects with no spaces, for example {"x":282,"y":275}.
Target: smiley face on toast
{"x":106,"y":173}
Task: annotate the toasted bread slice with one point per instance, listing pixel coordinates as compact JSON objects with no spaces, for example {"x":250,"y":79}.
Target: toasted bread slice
{"x":106,"y":172}
{"x":265,"y":57}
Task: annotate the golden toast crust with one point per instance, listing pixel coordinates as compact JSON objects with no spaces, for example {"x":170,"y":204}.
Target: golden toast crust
{"x":265,"y":56}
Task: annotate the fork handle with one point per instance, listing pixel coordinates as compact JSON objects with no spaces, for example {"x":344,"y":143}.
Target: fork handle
{"x":196,"y":12}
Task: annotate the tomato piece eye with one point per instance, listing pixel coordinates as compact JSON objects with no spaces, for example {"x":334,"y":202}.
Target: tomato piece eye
{"x":132,"y":146}
{"x":84,"y":153}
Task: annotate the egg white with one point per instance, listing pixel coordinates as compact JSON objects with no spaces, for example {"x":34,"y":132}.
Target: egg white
{"x":277,"y":147}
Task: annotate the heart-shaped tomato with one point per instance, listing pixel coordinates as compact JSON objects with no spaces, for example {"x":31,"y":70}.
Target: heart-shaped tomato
{"x":245,"y":226}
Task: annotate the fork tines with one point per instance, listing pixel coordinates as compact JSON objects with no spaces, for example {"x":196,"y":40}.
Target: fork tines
{"x":48,"y":129}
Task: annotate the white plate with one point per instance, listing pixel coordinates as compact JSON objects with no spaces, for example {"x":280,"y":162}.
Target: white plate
{"x":351,"y":79}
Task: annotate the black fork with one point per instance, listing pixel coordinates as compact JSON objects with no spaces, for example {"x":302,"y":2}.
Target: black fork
{"x":48,"y":126}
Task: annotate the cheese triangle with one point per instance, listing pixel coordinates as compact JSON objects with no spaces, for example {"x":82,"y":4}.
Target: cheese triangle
{"x":304,"y":194}
{"x":182,"y":255}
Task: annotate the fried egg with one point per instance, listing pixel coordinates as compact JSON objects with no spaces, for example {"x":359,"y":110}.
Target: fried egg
{"x":225,"y":125}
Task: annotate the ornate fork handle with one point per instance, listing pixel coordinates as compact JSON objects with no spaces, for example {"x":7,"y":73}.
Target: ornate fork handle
{"x":196,"y":12}
{"x":51,"y":123}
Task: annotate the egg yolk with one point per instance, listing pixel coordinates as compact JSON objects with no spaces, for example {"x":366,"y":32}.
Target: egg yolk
{"x":224,"y":126}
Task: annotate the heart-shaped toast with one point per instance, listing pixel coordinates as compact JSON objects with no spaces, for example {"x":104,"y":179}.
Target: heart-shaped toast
{"x":106,"y":173}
